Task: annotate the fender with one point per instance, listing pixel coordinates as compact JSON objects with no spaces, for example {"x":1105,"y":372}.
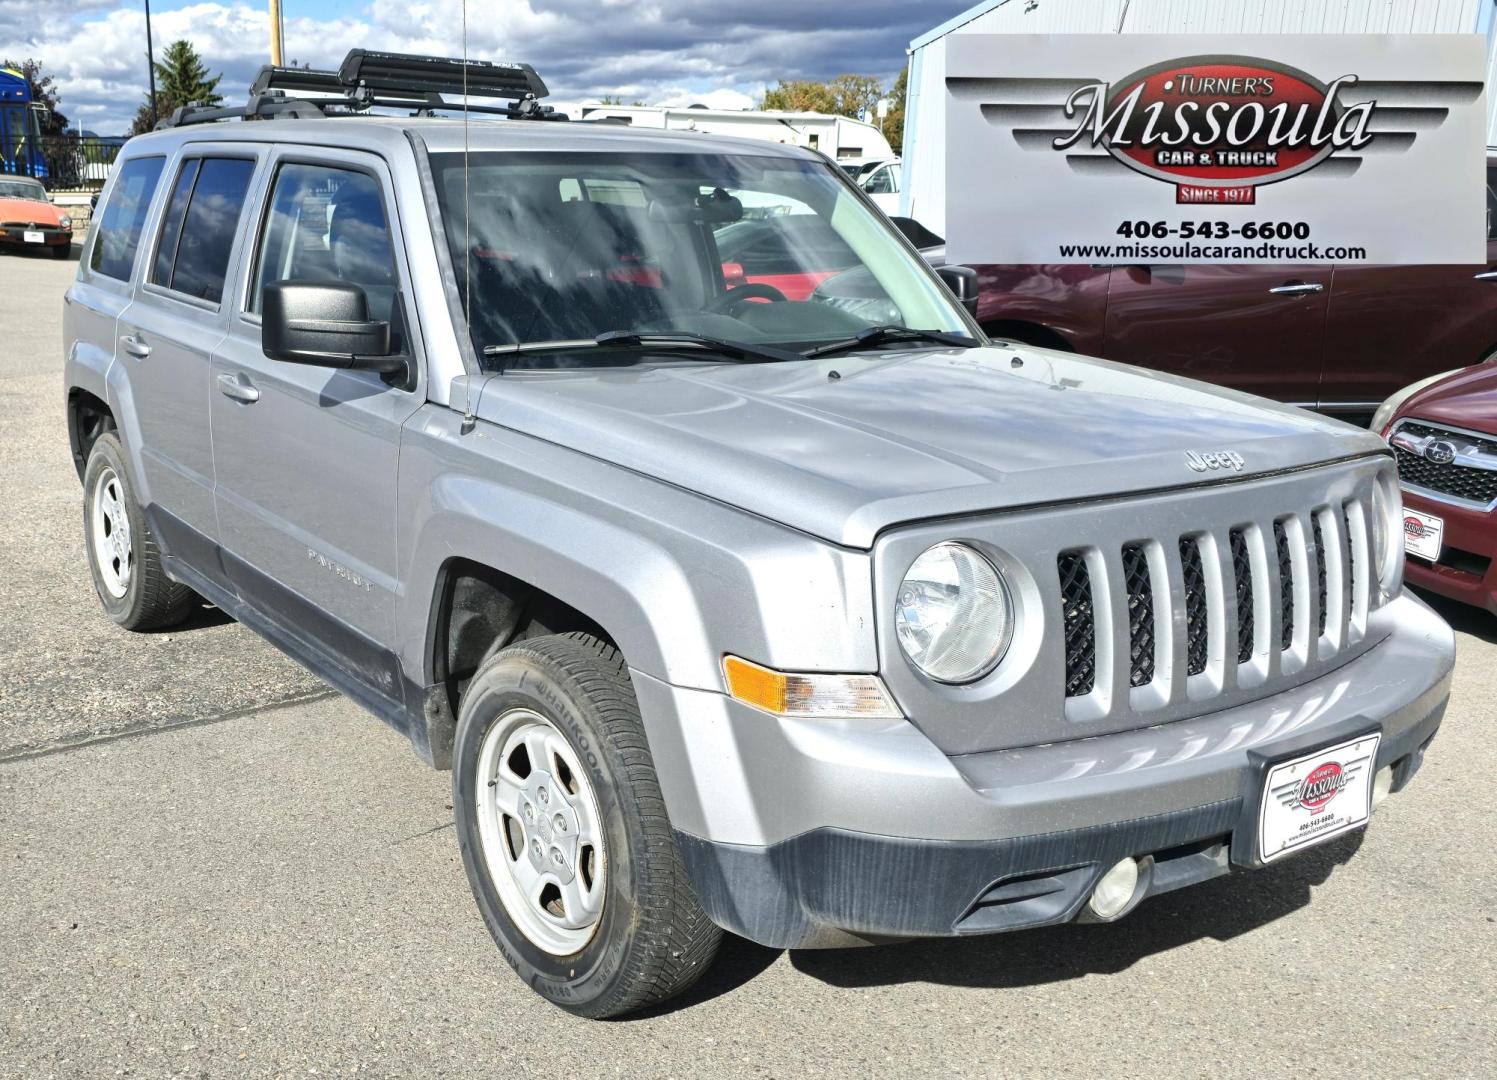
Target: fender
{"x":668,"y":574}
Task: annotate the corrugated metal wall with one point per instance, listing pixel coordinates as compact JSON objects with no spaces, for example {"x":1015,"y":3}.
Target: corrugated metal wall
{"x":924,"y":151}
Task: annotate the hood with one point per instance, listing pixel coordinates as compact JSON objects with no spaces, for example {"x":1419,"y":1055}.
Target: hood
{"x":31,"y":211}
{"x":1467,"y":399}
{"x":905,"y":435}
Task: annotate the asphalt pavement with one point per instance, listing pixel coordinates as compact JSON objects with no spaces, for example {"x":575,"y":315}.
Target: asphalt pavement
{"x":212,"y":866}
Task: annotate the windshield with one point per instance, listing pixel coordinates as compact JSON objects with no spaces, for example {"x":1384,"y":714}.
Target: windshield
{"x":22,"y":189}
{"x":565,"y":247}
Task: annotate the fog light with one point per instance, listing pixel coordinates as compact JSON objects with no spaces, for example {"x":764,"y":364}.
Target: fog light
{"x":1115,"y":891}
{"x":1382,"y":785}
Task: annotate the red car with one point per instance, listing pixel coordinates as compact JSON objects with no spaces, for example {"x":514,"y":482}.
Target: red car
{"x":1335,"y":338}
{"x":29,"y":220}
{"x":1444,"y":434}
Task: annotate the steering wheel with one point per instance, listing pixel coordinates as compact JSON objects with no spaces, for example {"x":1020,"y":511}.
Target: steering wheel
{"x":752,"y":291}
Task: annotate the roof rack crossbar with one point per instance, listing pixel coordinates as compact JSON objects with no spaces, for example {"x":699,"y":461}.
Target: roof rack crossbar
{"x":369,"y":79}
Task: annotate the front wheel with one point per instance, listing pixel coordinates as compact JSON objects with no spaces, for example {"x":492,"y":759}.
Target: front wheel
{"x":122,"y":553}
{"x":564,"y":833}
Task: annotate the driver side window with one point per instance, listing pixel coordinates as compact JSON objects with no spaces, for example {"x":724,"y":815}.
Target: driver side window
{"x":328,"y":224}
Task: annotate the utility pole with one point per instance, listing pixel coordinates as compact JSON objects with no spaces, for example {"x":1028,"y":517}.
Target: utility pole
{"x":276,"y":43}
{"x":151,"y":64}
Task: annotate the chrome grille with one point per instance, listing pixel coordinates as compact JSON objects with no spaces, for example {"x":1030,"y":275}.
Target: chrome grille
{"x":1305,"y":565}
{"x":1471,"y":477}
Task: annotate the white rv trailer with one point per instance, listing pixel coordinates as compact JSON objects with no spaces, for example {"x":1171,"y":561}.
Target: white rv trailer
{"x":836,"y":136}
{"x":923,"y":194}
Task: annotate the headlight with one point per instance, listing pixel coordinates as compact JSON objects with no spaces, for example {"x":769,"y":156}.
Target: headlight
{"x":64,"y":222}
{"x":1387,"y":533}
{"x":953,"y":614}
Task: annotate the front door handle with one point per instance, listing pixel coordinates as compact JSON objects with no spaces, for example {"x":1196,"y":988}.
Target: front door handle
{"x":1487,"y":275}
{"x":239,"y":388}
{"x":135,"y":346}
{"x":1296,"y":288}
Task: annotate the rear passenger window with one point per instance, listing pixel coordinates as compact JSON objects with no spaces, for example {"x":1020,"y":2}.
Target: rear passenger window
{"x":202,"y":218}
{"x":124,"y":216}
{"x":328,"y":224}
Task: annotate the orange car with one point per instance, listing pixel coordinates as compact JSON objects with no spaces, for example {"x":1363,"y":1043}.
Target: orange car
{"x":27,"y":219}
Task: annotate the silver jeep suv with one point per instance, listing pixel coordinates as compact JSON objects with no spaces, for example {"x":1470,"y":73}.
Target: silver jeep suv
{"x":654,"y":485}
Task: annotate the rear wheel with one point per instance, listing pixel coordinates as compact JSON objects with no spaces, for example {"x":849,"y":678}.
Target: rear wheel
{"x":122,"y":552}
{"x":564,"y":834}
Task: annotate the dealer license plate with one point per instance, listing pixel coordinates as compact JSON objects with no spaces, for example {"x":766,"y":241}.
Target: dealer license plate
{"x":1423,"y":534}
{"x":34,"y":237}
{"x":1313,"y":798}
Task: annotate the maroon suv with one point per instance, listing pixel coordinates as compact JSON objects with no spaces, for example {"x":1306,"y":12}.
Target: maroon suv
{"x":1445,"y":437}
{"x":1336,"y":338}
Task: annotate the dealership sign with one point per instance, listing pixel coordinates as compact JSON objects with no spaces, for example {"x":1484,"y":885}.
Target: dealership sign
{"x":1308,"y":149}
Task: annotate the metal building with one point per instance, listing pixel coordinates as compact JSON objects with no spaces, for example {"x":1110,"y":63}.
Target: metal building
{"x":924,"y":189}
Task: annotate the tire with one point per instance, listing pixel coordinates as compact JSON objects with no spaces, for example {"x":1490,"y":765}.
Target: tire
{"x":62,"y":251}
{"x":628,"y":932}
{"x":128,"y":573}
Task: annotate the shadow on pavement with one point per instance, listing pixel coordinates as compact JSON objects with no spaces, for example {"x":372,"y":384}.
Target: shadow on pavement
{"x":1463,"y":617}
{"x":1221,"y":909}
{"x":202,"y":616}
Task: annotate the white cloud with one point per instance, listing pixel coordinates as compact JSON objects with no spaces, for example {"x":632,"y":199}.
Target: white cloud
{"x":659,"y":51}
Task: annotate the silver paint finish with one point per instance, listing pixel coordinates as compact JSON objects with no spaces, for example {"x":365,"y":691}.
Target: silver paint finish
{"x":694,"y":510}
{"x":733,"y":775}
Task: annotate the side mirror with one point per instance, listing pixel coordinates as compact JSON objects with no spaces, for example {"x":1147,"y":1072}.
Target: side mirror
{"x":325,"y":324}
{"x":962,"y":281}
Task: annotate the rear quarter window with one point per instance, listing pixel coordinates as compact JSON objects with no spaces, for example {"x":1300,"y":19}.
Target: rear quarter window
{"x":200,"y":224}
{"x":124,"y":217}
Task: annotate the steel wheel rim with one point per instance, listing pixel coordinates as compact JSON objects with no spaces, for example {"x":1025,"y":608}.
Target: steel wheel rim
{"x":540,"y":832}
{"x":109,"y":531}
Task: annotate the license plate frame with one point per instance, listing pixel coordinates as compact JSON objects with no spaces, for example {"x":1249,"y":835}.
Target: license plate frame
{"x":1314,"y":797}
{"x":1423,"y":534}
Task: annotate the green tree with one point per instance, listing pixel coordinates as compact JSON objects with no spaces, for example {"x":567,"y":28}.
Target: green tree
{"x":43,"y":91}
{"x":846,"y":95}
{"x":181,"y":79}
{"x":182,"y":76}
{"x":894,"y":122}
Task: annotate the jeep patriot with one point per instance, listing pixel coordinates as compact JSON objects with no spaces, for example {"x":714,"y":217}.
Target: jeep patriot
{"x":819,"y":618}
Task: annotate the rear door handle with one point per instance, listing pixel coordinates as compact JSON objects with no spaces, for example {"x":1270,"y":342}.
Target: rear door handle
{"x":1487,"y":275}
{"x":1296,"y":288}
{"x":239,"y":388}
{"x":135,"y":346}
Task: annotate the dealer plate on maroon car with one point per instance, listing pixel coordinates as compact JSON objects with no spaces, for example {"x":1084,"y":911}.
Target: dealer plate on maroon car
{"x":1313,"y":798}
{"x":1422,"y":534}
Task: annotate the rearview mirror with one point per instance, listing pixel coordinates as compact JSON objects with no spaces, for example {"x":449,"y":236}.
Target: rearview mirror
{"x":962,"y":281}
{"x":324,"y":324}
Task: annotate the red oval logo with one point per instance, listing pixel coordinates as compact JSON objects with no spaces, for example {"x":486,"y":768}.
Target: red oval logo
{"x":1322,"y":785}
{"x":1413,"y":528}
{"x":1222,"y":121}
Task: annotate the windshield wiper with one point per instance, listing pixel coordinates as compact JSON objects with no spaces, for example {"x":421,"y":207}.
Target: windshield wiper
{"x":741,"y":351}
{"x":878,"y":335}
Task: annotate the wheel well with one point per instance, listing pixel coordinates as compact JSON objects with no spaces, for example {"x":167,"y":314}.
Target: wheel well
{"x":88,"y":418}
{"x":476,"y":611}
{"x":1027,"y":334}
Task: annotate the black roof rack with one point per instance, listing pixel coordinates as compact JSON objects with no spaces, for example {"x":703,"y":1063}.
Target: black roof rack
{"x":368,"y":79}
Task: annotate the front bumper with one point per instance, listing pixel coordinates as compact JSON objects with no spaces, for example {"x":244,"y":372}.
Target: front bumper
{"x":1470,"y":536}
{"x":801,"y":833}
{"x":51,"y":236}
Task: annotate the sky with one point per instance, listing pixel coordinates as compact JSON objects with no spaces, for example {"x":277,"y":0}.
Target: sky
{"x":664,"y":52}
